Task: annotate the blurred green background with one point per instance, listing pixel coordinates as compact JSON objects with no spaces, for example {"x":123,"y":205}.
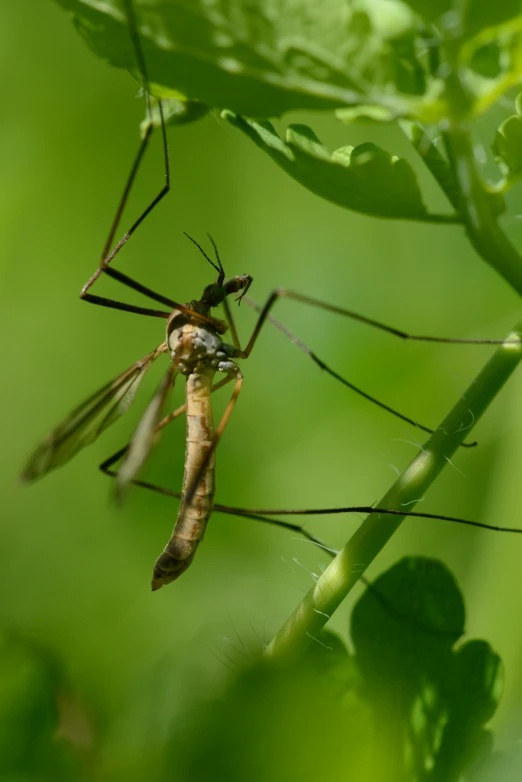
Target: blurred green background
{"x":75,"y":568}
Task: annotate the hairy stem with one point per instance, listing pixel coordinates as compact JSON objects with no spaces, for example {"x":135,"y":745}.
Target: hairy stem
{"x":345,"y":570}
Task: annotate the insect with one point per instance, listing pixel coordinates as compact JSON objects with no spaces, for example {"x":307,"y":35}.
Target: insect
{"x":194,"y":342}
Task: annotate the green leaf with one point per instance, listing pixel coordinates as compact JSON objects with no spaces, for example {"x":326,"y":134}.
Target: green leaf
{"x":483,"y":15}
{"x":440,"y":169}
{"x":29,"y":716}
{"x":456,"y":19}
{"x":431,"y":10}
{"x":406,"y":707}
{"x":262,"y":57}
{"x":375,"y":113}
{"x":486,"y":60}
{"x":507,"y":147}
{"x":303,"y":721}
{"x":175,"y":112}
{"x":364,"y":178}
{"x":434,"y":159}
{"x":404,"y":630}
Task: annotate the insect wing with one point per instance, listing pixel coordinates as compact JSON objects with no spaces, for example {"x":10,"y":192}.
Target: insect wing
{"x":88,"y":420}
{"x":145,"y":436}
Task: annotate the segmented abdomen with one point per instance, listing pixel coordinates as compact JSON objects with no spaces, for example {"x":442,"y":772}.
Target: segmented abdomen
{"x":192,"y":519}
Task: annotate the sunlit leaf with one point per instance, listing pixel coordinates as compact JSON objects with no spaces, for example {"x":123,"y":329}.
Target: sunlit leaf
{"x":374,"y":113}
{"x":438,"y":697}
{"x":431,"y":10}
{"x":365,"y":178}
{"x":407,"y":706}
{"x":483,"y":15}
{"x":261,"y":58}
{"x":434,"y":159}
{"x":469,"y":19}
{"x":507,"y":147}
{"x":175,"y":112}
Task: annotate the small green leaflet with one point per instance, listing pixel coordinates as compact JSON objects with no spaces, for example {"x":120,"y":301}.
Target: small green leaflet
{"x":365,"y":178}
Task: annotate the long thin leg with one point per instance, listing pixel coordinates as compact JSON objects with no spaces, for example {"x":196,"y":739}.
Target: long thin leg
{"x":283,"y":292}
{"x":105,"y":466}
{"x":118,"y":305}
{"x":264,"y":515}
{"x":231,"y":324}
{"x":137,"y":286}
{"x":244,"y":513}
{"x":225,"y":509}
{"x":107,"y":255}
{"x":265,"y":316}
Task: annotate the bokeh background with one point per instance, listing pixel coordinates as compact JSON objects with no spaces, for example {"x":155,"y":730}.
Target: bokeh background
{"x":75,"y":569}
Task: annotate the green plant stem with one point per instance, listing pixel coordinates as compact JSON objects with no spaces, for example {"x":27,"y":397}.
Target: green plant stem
{"x":483,"y":230}
{"x":345,"y":570}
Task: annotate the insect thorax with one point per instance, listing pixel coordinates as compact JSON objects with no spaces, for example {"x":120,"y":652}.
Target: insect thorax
{"x":194,"y":345}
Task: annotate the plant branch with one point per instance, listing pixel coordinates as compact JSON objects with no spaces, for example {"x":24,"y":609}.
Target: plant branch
{"x":347,"y":568}
{"x":476,"y":207}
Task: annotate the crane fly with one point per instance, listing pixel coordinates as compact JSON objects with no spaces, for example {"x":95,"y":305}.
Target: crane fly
{"x":194,"y":344}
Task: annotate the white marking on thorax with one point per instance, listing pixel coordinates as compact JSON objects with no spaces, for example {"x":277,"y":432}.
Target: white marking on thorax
{"x":196,"y":346}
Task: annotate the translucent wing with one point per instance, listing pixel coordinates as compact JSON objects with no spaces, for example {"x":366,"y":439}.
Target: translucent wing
{"x":145,"y":435}
{"x":88,"y":420}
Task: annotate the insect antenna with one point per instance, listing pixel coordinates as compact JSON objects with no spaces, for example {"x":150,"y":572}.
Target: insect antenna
{"x":222,"y":272}
{"x":219,"y":269}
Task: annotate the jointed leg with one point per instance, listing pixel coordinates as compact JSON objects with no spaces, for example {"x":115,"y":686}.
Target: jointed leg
{"x":107,"y":464}
{"x":300,"y":530}
{"x":283,"y":292}
{"x":264,"y":515}
{"x":265,"y":315}
{"x":231,"y":324}
{"x":107,"y":255}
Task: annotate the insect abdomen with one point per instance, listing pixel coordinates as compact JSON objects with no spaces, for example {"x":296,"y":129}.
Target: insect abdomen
{"x":192,"y":518}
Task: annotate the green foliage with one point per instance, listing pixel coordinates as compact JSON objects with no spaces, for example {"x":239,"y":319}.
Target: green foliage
{"x":411,"y":701}
{"x":30,"y":747}
{"x":374,"y":59}
{"x":440,"y":696}
{"x":364,"y":178}
{"x":264,"y":58}
{"x":175,"y":112}
{"x":258,"y":59}
{"x":507,"y":147}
